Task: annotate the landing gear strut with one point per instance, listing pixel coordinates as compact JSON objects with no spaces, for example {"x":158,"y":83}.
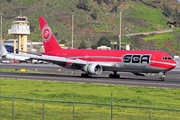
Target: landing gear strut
{"x":162,"y":78}
{"x":85,"y":75}
{"x":115,"y":75}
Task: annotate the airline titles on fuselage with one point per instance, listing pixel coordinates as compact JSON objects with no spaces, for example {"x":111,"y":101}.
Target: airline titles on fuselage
{"x":136,"y":58}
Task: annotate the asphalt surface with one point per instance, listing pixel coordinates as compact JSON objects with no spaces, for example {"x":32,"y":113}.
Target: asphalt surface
{"x":57,"y":73}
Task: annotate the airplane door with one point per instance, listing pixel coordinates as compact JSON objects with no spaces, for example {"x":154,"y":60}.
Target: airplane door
{"x":153,"y":59}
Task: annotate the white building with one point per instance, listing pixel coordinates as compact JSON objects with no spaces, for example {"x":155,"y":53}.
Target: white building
{"x":104,"y":48}
{"x":177,"y":59}
{"x":21,"y":29}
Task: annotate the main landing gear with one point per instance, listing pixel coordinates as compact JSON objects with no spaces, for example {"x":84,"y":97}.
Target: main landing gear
{"x":115,"y":75}
{"x":85,"y":75}
{"x":162,"y":78}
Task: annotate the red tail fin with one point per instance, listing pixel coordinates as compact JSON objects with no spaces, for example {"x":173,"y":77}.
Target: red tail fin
{"x":49,"y":40}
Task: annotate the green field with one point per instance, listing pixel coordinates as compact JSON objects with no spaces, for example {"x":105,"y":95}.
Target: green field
{"x":86,"y":93}
{"x":161,"y":38}
{"x":172,"y":38}
{"x":152,"y":16}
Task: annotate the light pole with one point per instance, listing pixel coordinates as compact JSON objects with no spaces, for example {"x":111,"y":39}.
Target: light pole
{"x":72,"y":26}
{"x":119,"y":29}
{"x":1,"y":32}
{"x":1,"y":26}
{"x":1,"y":54}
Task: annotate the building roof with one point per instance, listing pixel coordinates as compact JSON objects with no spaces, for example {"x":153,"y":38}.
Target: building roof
{"x":21,"y":17}
{"x":37,"y":43}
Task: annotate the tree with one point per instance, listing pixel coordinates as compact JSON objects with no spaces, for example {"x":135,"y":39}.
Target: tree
{"x":167,"y":11}
{"x":99,"y":1}
{"x":102,"y":41}
{"x":176,"y":17}
{"x":94,"y":15}
{"x":32,"y":27}
{"x":62,"y":42}
{"x":105,"y":1}
{"x":56,"y":34}
{"x":82,"y":45}
{"x":115,"y":6}
{"x":108,"y":1}
{"x":83,"y":4}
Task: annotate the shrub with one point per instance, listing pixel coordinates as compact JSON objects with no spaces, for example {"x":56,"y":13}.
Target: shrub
{"x":83,"y":4}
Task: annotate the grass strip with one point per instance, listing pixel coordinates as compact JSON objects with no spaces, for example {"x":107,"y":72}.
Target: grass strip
{"x":89,"y":93}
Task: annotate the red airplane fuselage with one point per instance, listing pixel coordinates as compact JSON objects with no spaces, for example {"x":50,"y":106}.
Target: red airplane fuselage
{"x":96,"y":61}
{"x":158,"y":61}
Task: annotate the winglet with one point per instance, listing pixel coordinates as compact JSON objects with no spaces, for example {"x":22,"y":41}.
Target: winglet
{"x":49,"y":40}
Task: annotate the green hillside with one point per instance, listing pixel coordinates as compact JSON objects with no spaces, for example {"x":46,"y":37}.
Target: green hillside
{"x":93,"y":18}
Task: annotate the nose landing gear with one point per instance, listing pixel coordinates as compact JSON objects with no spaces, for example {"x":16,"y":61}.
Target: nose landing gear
{"x":115,"y":75}
{"x":162,"y":78}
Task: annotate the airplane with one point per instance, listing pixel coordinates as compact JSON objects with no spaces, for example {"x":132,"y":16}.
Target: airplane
{"x":18,"y":57}
{"x":94,"y":62}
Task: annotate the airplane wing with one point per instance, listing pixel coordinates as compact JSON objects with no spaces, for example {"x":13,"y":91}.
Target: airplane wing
{"x":55,"y":59}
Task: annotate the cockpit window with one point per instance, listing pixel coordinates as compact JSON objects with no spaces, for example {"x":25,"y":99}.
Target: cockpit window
{"x":166,"y":58}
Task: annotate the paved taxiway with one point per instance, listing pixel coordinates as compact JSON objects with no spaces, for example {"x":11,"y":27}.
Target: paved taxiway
{"x":172,"y":79}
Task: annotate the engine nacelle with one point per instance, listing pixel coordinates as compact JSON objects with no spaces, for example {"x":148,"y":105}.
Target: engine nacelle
{"x":93,"y":69}
{"x":141,"y":74}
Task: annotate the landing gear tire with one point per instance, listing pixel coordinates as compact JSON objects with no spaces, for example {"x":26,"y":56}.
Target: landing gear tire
{"x":86,"y":75}
{"x":117,"y":76}
{"x":114,"y":76}
{"x":110,"y":75}
{"x":161,"y":79}
{"x":82,"y":75}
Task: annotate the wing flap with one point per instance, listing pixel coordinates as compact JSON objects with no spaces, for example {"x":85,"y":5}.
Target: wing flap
{"x":55,"y":59}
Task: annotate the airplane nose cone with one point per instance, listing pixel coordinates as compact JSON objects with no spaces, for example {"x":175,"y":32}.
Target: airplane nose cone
{"x":174,"y":64}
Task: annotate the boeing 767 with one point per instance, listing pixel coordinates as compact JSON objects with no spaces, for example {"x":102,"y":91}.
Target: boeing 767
{"x":94,"y":62}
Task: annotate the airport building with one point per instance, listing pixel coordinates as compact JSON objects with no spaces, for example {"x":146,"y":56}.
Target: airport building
{"x":31,"y":46}
{"x":21,"y":29}
{"x":177,"y":59}
{"x":104,"y":48}
{"x":34,"y":47}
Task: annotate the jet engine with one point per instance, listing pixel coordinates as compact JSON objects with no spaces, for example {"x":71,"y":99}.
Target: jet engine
{"x":93,"y":69}
{"x":141,"y":74}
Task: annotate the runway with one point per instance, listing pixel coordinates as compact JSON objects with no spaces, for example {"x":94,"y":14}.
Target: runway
{"x":56,"y":73}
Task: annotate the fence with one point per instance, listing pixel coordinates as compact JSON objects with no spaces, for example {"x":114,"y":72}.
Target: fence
{"x":29,"y":109}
